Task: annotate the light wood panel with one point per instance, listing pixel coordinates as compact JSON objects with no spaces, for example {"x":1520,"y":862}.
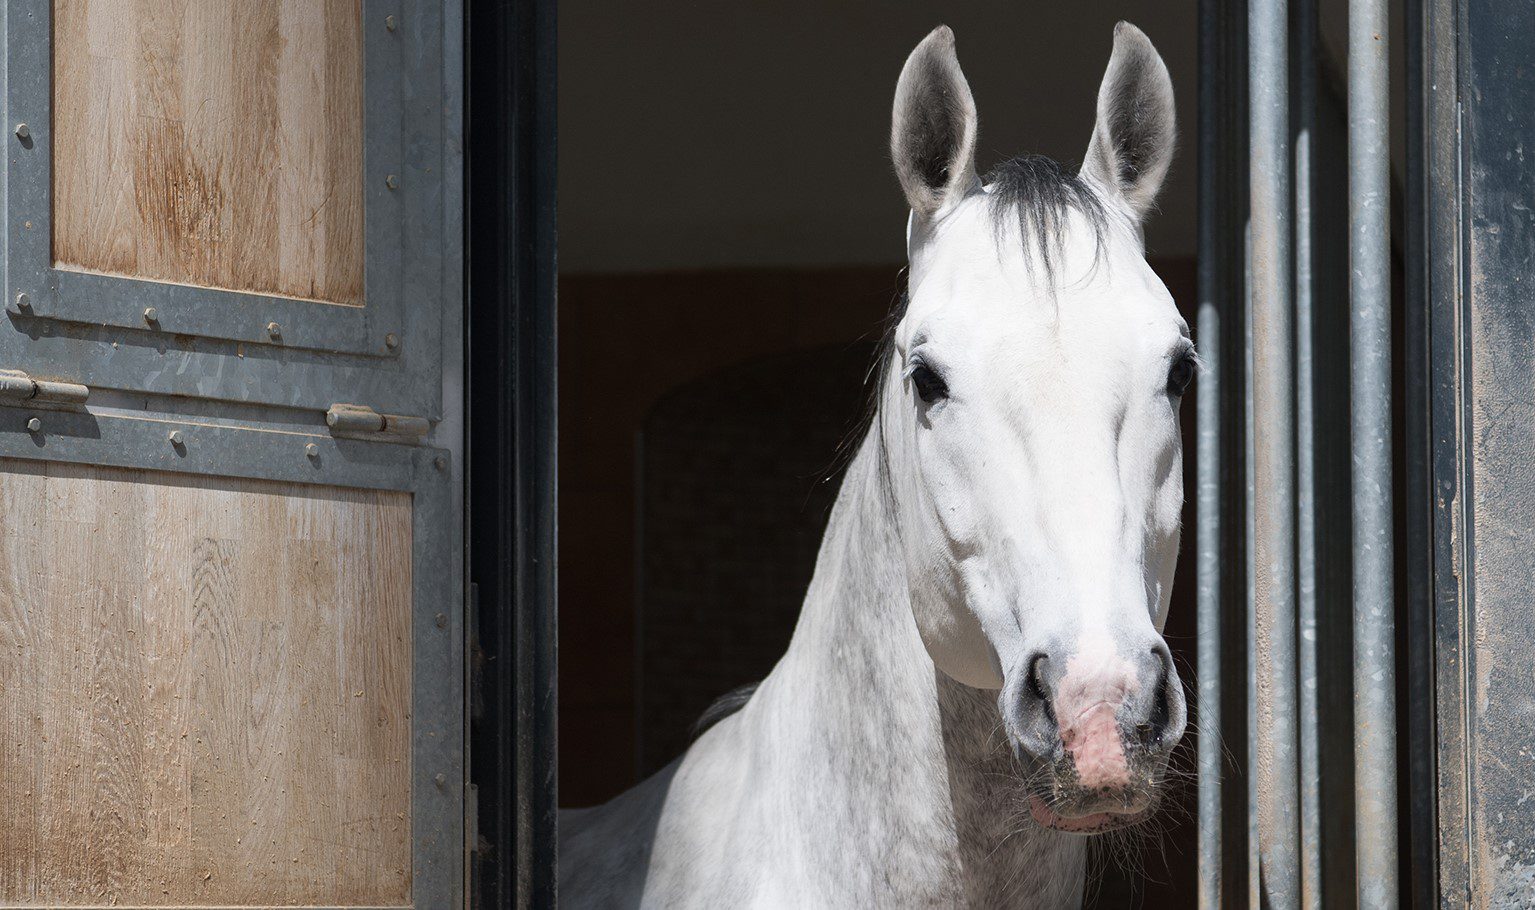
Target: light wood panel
{"x":211,"y":142}
{"x":204,"y":691}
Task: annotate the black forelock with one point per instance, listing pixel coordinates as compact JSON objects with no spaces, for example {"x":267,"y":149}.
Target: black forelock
{"x":1038,"y":194}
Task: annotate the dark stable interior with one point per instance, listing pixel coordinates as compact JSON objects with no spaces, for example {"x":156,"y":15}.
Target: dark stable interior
{"x":730,"y":243}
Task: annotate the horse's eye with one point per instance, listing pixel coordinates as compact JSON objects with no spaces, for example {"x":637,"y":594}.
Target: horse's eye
{"x":929,"y":386}
{"x":1179,"y":377}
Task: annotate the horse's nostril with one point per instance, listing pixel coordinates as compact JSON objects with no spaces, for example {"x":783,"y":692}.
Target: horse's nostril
{"x":1036,"y":694}
{"x":1036,"y":680}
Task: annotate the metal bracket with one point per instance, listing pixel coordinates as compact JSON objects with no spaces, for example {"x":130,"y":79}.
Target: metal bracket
{"x":356,"y":419}
{"x":18,"y":386}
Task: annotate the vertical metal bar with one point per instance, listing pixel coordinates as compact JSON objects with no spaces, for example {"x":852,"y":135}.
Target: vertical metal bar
{"x":1418,"y":370}
{"x":1250,"y":497}
{"x":1239,"y":825}
{"x":512,"y":329}
{"x":1310,"y":758}
{"x":1370,"y":347}
{"x":1273,"y":424}
{"x":1208,"y":538}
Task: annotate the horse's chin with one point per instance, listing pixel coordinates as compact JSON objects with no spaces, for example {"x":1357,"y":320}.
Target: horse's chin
{"x":1096,"y":823}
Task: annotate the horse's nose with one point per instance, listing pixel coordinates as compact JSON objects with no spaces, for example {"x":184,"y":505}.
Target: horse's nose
{"x":1099,"y":707}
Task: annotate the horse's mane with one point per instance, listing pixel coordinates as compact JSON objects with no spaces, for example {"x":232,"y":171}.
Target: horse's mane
{"x":723,"y":707}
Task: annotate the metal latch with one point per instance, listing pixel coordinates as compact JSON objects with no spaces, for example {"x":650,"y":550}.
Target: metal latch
{"x":357,"y":419}
{"x":18,"y":386}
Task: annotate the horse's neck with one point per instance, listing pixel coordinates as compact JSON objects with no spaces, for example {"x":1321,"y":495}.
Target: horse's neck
{"x":881,"y":740}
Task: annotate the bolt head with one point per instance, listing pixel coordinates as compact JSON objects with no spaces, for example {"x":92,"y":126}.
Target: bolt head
{"x":23,"y":301}
{"x":442,"y":620}
{"x":34,"y":425}
{"x":23,"y":132}
{"x":273,"y":329}
{"x":151,"y":315}
{"x":312,"y":450}
{"x":392,"y":181}
{"x":390,"y":23}
{"x":441,"y":462}
{"x":441,"y":780}
{"x":391,"y":341}
{"x":176,"y":438}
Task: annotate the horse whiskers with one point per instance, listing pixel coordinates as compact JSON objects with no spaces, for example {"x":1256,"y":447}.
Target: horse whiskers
{"x":1198,"y":731}
{"x":1012,"y":832}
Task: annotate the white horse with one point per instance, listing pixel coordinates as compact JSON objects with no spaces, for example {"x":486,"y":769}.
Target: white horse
{"x":978,"y":677}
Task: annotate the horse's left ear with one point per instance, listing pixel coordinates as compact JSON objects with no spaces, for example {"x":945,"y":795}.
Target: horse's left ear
{"x":1133,"y":139}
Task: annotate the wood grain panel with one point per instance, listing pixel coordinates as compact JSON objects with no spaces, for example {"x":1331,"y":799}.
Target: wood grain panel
{"x":204,"y":691}
{"x":211,"y":142}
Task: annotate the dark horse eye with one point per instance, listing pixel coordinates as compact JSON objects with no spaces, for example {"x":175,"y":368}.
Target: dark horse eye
{"x":1179,"y":377}
{"x":929,"y":387}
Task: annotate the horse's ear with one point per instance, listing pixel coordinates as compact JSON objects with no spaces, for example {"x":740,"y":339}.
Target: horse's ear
{"x":933,"y":129}
{"x":1133,"y":139}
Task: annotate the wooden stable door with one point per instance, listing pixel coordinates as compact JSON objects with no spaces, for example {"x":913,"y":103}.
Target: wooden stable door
{"x":231,"y":621}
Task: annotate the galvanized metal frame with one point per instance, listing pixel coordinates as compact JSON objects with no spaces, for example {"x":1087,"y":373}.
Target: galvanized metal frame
{"x":1222,"y":458}
{"x":1432,"y":201}
{"x":1275,"y":744}
{"x":1471,"y":191}
{"x":1374,"y":602}
{"x":1447,"y":298}
{"x":104,"y":299}
{"x":1274,"y":370}
{"x":214,"y":343}
{"x":1326,"y":554}
{"x":1304,"y":114}
{"x":138,"y":440}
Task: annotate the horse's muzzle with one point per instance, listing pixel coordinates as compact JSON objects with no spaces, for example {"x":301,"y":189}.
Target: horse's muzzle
{"x":1097,"y":728}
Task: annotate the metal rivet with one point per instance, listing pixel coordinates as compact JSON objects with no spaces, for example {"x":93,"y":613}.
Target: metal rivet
{"x":34,"y":425}
{"x":151,"y":315}
{"x":23,"y":132}
{"x":441,"y":461}
{"x":389,"y":23}
{"x":392,"y":182}
{"x":442,"y":620}
{"x":23,"y":302}
{"x":274,"y":329}
{"x":391,"y":341}
{"x":312,"y":450}
{"x":176,"y":438}
{"x":442,"y":780}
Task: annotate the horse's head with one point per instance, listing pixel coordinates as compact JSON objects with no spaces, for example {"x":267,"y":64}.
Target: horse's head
{"x":1029,"y":416}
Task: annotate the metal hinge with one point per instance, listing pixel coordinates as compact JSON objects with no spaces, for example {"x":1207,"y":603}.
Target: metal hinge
{"x":18,"y":386}
{"x":356,"y":419}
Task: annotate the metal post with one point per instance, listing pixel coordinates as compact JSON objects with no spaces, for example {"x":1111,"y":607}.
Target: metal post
{"x":1250,"y":564}
{"x":1208,"y":539}
{"x":1370,"y":334}
{"x":1273,"y":425}
{"x":1310,"y":758}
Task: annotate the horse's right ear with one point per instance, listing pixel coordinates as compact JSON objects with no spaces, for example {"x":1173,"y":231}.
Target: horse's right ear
{"x":933,"y":129}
